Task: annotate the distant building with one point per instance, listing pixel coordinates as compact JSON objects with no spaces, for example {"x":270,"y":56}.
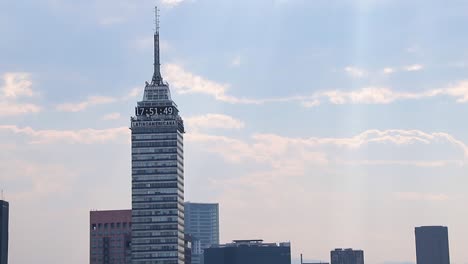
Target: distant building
{"x":188,"y":249}
{"x":248,"y":252}
{"x":110,"y":237}
{"x":4,"y":208}
{"x":432,"y":246}
{"x":202,"y":223}
{"x":347,"y":256}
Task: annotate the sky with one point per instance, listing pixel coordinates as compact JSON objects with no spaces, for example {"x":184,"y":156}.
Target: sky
{"x":326,"y":123}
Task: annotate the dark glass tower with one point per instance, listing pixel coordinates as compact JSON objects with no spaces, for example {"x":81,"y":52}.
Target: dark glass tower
{"x":157,"y":174}
{"x":4,"y":232}
{"x":432,"y":245}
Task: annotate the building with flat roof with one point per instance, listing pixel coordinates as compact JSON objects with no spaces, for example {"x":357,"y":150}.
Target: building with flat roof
{"x":110,"y":236}
{"x":202,"y":224}
{"x":249,"y":252}
{"x":4,"y":218}
{"x":432,"y":246}
{"x":346,"y":256}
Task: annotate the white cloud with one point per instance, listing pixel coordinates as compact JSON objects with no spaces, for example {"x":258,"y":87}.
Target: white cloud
{"x":458,"y":90}
{"x":98,"y":100}
{"x":368,"y":95}
{"x":275,"y":149}
{"x":355,"y":72}
{"x":11,"y":109}
{"x":413,"y":67}
{"x":376,"y":95}
{"x":388,"y":70}
{"x":81,"y":136}
{"x":213,"y":121}
{"x":310,"y":103}
{"x":188,"y":83}
{"x":111,"y":116}
{"x":417,"y":163}
{"x":80,"y":106}
{"x":185,"y":82}
{"x":172,"y":3}
{"x":16,"y":87}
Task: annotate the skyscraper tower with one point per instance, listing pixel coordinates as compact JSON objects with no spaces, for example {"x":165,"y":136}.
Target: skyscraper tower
{"x":432,"y":246}
{"x":157,"y":173}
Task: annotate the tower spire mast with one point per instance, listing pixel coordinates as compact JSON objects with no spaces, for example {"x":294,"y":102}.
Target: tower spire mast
{"x":157,"y":78}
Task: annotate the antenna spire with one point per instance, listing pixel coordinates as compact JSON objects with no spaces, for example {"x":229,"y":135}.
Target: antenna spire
{"x":157,"y":78}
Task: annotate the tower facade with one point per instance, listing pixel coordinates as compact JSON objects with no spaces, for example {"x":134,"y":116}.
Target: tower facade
{"x":432,"y":246}
{"x":157,"y":174}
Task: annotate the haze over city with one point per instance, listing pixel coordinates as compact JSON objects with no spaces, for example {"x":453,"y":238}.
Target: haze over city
{"x":329,"y":124}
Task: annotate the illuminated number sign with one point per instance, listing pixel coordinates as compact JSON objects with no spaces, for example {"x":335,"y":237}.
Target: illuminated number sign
{"x":152,"y":111}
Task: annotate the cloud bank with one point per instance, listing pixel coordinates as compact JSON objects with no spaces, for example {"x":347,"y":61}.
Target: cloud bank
{"x":16,"y":87}
{"x":185,"y":82}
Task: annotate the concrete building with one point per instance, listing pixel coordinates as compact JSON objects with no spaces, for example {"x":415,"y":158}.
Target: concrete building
{"x":202,"y":223}
{"x":432,"y":246}
{"x":346,"y":256}
{"x":110,"y":236}
{"x":4,"y":218}
{"x":157,"y":174}
{"x":249,"y":252}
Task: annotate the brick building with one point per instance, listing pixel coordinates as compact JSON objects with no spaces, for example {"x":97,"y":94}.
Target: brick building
{"x":110,"y":236}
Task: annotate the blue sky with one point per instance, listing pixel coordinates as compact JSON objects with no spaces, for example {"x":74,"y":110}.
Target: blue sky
{"x":324,"y":123}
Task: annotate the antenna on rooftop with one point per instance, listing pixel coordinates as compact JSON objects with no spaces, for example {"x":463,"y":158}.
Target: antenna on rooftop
{"x":156,"y":20}
{"x":157,"y":78}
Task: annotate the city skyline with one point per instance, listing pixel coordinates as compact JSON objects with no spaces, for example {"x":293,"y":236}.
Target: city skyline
{"x":336,"y":120}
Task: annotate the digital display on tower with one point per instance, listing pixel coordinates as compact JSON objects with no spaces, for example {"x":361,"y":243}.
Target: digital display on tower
{"x":154,"y":111}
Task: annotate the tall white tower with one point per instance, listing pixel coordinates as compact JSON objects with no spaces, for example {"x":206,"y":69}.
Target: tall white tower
{"x":157,"y":173}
